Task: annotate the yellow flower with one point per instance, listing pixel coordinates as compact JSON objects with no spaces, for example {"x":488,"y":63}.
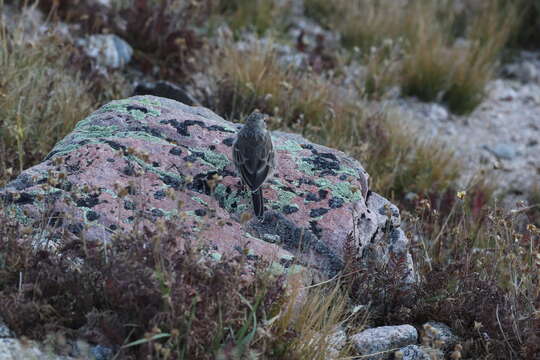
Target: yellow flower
{"x":461,"y":195}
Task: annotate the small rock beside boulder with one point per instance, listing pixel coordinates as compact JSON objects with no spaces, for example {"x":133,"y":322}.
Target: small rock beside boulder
{"x":380,"y":343}
{"x":109,"y":50}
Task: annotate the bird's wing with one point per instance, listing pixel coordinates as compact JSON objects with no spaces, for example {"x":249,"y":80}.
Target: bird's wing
{"x":254,"y":169}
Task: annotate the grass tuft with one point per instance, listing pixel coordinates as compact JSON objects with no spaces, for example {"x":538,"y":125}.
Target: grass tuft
{"x":41,"y":99}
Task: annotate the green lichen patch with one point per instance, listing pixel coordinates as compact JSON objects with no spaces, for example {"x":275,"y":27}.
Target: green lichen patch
{"x":15,"y":212}
{"x":211,"y":158}
{"x":129,"y":106}
{"x":86,"y":121}
{"x":347,"y":171}
{"x":199,"y":200}
{"x":232,"y":201}
{"x":277,"y":269}
{"x":167,"y":214}
{"x":287,"y":145}
{"x":141,"y":135}
{"x":342,"y":189}
{"x":153,"y":169}
{"x":284,"y":198}
{"x":306,"y":167}
{"x":113,"y":194}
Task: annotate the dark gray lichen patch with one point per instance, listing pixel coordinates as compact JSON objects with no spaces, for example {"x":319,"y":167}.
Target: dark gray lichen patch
{"x":91,"y":215}
{"x":289,"y":209}
{"x":88,"y":201}
{"x":318,"y":212}
{"x":129,"y":205}
{"x":294,"y":239}
{"x":336,"y":202}
{"x":159,"y":195}
{"x":182,"y":127}
{"x":228,"y":141}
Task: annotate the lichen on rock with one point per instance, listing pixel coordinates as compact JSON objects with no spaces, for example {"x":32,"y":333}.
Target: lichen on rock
{"x":140,"y":160}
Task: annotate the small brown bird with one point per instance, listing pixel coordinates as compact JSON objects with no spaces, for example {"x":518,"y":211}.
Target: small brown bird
{"x":254,"y":157}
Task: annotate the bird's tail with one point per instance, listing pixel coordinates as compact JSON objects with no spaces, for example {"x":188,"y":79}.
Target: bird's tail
{"x":258,"y":202}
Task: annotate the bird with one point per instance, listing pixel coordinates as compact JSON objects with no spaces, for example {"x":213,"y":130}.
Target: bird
{"x":254,"y":158}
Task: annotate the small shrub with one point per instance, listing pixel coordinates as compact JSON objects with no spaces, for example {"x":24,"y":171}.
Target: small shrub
{"x":472,"y":265}
{"x":257,"y":15}
{"x":528,"y":31}
{"x":320,"y":10}
{"x":140,"y":295}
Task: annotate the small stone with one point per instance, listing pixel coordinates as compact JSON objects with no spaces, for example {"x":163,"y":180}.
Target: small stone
{"x":525,"y":71}
{"x":4,"y":331}
{"x":336,"y":341}
{"x":437,"y":334}
{"x":102,"y":352}
{"x":167,"y":90}
{"x":380,"y":342}
{"x":503,"y":151}
{"x":109,"y":50}
{"x":500,"y":90}
{"x":415,"y":352}
{"x":436,"y":112}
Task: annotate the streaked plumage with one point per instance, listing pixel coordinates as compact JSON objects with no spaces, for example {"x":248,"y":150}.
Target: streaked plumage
{"x":253,"y":156}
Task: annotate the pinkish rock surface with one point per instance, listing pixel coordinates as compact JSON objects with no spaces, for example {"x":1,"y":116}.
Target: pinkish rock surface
{"x":142,"y":159}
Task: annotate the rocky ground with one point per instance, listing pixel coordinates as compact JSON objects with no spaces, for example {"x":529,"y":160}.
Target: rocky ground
{"x":500,"y":139}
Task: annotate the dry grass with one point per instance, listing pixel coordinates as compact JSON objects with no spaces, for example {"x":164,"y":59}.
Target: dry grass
{"x":256,"y":15}
{"x":304,"y":102}
{"x":40,"y":99}
{"x":46,"y":87}
{"x":255,"y":78}
{"x":316,"y":315}
{"x":449,"y":53}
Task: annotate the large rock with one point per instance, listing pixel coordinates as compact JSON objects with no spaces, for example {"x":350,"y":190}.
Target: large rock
{"x":138,"y":161}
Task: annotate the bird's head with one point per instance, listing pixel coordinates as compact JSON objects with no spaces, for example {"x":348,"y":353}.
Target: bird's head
{"x":257,"y":118}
